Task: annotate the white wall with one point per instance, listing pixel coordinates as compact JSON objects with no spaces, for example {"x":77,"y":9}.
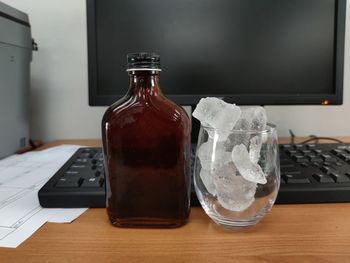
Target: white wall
{"x":59,"y":88}
{"x":59,"y":92}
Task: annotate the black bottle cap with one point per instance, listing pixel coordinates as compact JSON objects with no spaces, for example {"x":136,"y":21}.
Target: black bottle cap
{"x":143,"y":61}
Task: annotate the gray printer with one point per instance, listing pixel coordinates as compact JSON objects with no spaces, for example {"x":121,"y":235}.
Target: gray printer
{"x":15,"y":57}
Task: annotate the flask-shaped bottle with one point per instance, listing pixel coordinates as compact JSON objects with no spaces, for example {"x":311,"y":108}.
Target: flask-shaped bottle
{"x":146,"y":143}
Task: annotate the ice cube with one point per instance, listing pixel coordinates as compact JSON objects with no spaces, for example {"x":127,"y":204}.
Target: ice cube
{"x":233,"y":191}
{"x":255,"y":148}
{"x":208,"y":181}
{"x":213,"y":155}
{"x":252,"y":118}
{"x":249,"y":170}
{"x":217,"y":113}
{"x":225,"y":171}
{"x":236,"y":138}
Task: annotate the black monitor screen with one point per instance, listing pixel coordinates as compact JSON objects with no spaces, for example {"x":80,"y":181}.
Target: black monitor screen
{"x":246,"y":51}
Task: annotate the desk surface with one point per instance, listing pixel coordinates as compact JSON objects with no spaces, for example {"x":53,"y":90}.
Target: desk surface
{"x":289,"y":233}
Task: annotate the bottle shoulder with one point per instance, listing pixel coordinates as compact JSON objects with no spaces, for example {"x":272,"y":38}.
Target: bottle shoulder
{"x":118,"y":106}
{"x":151,"y":110}
{"x":158,"y":105}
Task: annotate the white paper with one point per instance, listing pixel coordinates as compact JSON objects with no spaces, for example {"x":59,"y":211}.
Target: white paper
{"x":14,"y":212}
{"x":21,"y":177}
{"x":64,"y":215}
{"x":34,"y":178}
{"x":20,"y":234}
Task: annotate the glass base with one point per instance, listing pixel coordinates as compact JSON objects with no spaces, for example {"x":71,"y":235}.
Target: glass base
{"x":235,"y":225}
{"x":236,"y":220}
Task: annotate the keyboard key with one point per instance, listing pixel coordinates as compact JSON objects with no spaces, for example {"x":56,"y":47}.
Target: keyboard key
{"x":88,"y":150}
{"x":72,"y":172}
{"x":345,"y":157}
{"x":287,"y":163}
{"x":328,"y":158}
{"x":292,"y":152}
{"x":84,"y":155}
{"x":317,"y":151}
{"x":311,"y":146}
{"x":295,"y":179}
{"x":325,"y":169}
{"x":290,"y":169}
{"x":91,"y":182}
{"x":337,"y":151}
{"x":316,"y":164}
{"x":339,"y":178}
{"x":298,"y":146}
{"x":300,"y":158}
{"x":314,"y":158}
{"x":323,"y":178}
{"x":306,"y":151}
{"x":286,"y":146}
{"x":78,"y":166}
{"x":82,"y":160}
{"x":71,"y":176}
{"x":69,"y":182}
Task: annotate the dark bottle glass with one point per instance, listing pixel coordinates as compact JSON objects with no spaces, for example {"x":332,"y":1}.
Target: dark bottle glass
{"x":146,"y":142}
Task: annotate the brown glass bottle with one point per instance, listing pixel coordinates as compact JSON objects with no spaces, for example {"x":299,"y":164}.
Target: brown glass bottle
{"x":146,"y":141}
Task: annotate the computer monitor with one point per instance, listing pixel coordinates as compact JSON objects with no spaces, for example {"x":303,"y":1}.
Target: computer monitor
{"x":248,"y":52}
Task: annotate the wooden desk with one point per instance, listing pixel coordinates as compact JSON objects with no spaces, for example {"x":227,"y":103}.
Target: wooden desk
{"x":289,"y":233}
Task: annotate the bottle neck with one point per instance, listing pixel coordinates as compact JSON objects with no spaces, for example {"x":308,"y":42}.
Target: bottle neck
{"x":144,"y":82}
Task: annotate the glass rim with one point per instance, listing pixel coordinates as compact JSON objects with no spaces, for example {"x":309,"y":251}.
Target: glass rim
{"x":270,"y":127}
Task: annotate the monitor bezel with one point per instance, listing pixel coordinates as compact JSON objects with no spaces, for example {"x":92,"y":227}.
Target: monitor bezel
{"x":336,"y":98}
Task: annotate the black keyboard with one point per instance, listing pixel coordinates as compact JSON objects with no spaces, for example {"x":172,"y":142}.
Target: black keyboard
{"x":80,"y":182}
{"x":310,"y":173}
{"x":314,"y":173}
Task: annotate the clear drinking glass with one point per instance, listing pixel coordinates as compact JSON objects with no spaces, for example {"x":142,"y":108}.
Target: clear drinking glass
{"x":237,"y":174}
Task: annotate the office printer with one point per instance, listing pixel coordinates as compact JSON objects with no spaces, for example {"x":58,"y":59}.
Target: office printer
{"x":15,"y":56}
